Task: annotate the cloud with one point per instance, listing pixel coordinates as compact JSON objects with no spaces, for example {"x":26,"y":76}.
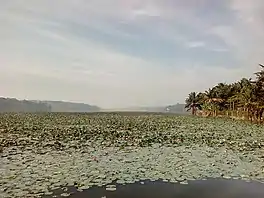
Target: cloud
{"x":245,"y":35}
{"x":126,"y":53}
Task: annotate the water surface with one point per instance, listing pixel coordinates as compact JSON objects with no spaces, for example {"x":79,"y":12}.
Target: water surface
{"x":212,"y":188}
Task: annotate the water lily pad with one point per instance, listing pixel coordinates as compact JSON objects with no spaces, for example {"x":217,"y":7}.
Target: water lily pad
{"x":65,"y":194}
{"x":111,"y":189}
{"x":184,"y":182}
{"x":84,"y":150}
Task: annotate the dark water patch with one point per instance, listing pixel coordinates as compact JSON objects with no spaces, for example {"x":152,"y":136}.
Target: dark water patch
{"x":211,"y":188}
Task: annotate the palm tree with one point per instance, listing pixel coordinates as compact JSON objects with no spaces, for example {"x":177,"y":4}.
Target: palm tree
{"x":243,"y":99}
{"x":214,"y":100}
{"x":259,"y":94}
{"x":192,"y":102}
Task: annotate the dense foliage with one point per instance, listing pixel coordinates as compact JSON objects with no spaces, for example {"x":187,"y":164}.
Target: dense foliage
{"x":243,"y":99}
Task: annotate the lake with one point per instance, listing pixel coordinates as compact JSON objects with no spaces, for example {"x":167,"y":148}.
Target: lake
{"x":211,"y":188}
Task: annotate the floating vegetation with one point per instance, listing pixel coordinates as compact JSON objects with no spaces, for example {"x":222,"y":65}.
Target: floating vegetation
{"x":65,"y":194}
{"x":184,"y":182}
{"x":110,"y":188}
{"x":44,"y":152}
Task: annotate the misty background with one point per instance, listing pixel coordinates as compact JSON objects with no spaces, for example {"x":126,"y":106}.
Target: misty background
{"x":120,"y":54}
{"x":15,"y":105}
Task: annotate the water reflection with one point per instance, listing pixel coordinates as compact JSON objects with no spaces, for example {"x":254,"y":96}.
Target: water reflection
{"x":212,"y":188}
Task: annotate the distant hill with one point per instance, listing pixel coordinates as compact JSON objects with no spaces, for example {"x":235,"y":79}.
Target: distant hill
{"x":14,"y":105}
{"x":60,"y":106}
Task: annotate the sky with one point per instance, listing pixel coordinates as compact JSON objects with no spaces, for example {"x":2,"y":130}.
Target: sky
{"x":124,"y":53}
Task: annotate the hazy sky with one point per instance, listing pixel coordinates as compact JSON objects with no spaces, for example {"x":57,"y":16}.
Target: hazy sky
{"x":118,"y":53}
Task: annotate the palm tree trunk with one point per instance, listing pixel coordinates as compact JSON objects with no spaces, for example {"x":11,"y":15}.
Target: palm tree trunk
{"x":247,"y":111}
{"x":233,"y":109}
{"x":193,"y":110}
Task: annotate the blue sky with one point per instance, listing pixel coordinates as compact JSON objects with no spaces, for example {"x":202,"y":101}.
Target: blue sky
{"x":122,"y":53}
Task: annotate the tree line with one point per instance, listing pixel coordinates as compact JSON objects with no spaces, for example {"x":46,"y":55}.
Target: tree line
{"x":243,"y":99}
